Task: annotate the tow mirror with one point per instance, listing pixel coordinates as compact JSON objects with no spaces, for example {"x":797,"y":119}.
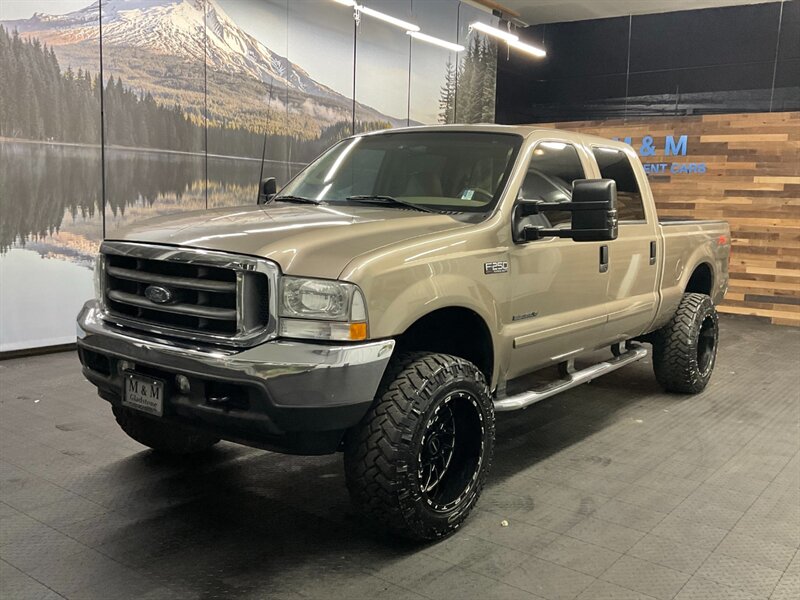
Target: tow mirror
{"x":593,"y":208}
{"x":267,"y":190}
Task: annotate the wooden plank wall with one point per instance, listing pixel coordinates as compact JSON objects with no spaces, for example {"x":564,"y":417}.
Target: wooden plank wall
{"x":752,"y":181}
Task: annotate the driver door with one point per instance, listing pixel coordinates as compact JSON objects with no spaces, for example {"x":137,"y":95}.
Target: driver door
{"x":558,"y":289}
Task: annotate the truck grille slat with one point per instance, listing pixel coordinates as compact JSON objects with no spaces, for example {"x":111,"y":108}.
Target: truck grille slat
{"x":221,"y":314}
{"x":206,"y":296}
{"x":173,"y":280}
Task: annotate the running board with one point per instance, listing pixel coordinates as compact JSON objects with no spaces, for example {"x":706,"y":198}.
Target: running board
{"x":529,"y":397}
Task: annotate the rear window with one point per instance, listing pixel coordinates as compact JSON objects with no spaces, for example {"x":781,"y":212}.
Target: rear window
{"x":614,"y":164}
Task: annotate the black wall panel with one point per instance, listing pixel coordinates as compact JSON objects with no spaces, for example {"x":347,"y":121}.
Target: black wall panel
{"x":686,"y":39}
{"x":787,"y":72}
{"x":725,"y":60}
{"x":574,"y":73}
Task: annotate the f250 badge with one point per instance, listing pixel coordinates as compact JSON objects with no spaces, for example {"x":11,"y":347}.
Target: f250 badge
{"x":499,"y":266}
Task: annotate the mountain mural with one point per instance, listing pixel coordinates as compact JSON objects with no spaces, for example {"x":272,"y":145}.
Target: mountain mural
{"x":195,"y":111}
{"x":151,"y":44}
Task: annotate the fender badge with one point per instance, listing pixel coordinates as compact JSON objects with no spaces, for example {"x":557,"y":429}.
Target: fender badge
{"x":522,"y":317}
{"x":499,"y":266}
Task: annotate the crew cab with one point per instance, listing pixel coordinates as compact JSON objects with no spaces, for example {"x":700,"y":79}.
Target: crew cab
{"x":393,"y":296}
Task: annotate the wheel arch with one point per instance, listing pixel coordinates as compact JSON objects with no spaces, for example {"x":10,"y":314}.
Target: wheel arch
{"x":701,"y":280}
{"x":455,"y":330}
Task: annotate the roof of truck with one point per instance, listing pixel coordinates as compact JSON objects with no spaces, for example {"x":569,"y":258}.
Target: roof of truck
{"x":523,"y":130}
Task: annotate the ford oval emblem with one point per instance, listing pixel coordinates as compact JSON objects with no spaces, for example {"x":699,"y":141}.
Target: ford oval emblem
{"x":158,"y":294}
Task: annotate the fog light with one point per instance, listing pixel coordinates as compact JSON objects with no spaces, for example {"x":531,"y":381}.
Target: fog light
{"x":123,"y":366}
{"x":183,"y":384}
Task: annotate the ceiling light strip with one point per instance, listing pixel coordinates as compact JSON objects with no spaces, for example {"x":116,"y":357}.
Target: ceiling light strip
{"x":387,"y":18}
{"x":494,"y":31}
{"x":436,"y":41}
{"x":512,"y":39}
{"x":528,"y":48}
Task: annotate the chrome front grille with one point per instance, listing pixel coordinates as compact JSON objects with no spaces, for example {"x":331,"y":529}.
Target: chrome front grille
{"x":187,"y":293}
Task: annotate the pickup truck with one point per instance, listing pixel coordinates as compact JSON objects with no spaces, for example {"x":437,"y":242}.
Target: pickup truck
{"x":392,"y":297}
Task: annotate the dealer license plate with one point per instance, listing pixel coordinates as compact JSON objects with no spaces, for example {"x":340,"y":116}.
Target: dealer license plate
{"x":144,"y":393}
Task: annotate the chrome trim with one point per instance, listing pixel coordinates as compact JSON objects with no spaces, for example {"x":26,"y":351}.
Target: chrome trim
{"x":173,"y":280}
{"x":194,"y":256}
{"x":102,"y":276}
{"x":178,"y":308}
{"x":240,"y":298}
{"x":586,"y":375}
{"x":334,"y":374}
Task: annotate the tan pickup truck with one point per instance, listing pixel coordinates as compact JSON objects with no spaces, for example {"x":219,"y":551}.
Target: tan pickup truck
{"x":392,"y":297}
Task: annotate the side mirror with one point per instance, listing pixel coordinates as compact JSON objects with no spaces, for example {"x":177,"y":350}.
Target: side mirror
{"x":267,"y":190}
{"x":593,"y":208}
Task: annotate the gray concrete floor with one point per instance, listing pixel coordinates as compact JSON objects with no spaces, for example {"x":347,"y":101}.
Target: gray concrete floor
{"x":613,"y":490}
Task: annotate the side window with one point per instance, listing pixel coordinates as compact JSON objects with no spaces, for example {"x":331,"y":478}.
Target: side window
{"x":614,"y":164}
{"x":553,"y":168}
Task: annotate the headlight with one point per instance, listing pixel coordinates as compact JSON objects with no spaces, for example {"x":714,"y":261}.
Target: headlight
{"x":322,"y":309}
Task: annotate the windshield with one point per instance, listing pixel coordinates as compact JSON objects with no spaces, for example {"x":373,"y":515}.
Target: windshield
{"x":441,"y":171}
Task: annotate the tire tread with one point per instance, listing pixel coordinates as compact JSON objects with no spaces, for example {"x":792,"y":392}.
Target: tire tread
{"x":374,"y":451}
{"x":674,"y":351}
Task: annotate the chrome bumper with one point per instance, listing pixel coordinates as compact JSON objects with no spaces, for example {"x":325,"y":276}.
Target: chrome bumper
{"x":293,"y":386}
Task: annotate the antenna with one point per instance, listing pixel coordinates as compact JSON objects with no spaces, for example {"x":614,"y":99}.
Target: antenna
{"x":264,"y":147}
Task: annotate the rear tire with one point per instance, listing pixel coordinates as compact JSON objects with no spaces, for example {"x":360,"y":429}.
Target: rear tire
{"x":685,"y":350}
{"x":165,"y":438}
{"x":418,"y":460}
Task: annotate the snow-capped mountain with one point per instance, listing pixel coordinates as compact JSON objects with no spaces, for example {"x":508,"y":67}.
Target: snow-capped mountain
{"x":176,"y":28}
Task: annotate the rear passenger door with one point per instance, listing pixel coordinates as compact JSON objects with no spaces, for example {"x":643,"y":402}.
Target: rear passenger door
{"x":558,"y":290}
{"x":633,"y":266}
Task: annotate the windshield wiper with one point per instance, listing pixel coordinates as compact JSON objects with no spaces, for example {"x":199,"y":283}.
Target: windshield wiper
{"x":298,"y":199}
{"x":388,"y":200}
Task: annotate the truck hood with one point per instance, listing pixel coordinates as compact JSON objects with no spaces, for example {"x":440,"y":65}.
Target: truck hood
{"x":313,"y":241}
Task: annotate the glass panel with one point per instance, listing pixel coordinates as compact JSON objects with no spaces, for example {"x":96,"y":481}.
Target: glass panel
{"x":615,"y":165}
{"x":320,"y":51}
{"x":433,"y":68}
{"x":476,"y":74}
{"x":553,"y":168}
{"x":382,"y":68}
{"x":154,"y":105}
{"x":247,"y":75}
{"x":441,"y":171}
{"x":50,"y":185}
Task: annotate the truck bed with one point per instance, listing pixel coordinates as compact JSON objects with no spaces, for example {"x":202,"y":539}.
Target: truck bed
{"x":687,"y":245}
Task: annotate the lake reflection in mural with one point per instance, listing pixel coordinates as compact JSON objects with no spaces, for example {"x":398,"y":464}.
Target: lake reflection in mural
{"x":51,"y":227}
{"x":61,"y":186}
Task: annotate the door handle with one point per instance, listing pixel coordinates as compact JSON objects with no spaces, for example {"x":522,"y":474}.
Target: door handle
{"x":653,"y":252}
{"x":603,"y":259}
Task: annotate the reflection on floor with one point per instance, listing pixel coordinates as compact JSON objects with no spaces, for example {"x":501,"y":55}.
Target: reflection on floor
{"x":611,"y":490}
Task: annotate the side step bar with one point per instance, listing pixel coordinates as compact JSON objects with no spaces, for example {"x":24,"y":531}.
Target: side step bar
{"x":529,"y":397}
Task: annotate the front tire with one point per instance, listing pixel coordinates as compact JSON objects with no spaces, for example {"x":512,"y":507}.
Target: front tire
{"x":685,"y":350}
{"x":164,"y":438}
{"x":418,"y":460}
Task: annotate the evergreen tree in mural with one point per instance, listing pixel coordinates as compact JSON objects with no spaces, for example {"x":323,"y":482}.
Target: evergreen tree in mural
{"x":467,"y":95}
{"x":489,"y":81}
{"x":40,"y":102}
{"x":447,"y":95}
{"x":45,"y":104}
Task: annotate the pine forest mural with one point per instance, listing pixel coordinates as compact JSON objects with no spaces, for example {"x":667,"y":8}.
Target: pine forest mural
{"x":199,"y":98}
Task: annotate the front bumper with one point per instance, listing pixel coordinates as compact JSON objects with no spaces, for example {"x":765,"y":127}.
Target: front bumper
{"x":281,"y":395}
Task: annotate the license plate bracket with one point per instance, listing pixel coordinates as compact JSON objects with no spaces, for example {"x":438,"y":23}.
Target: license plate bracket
{"x":143,"y":393}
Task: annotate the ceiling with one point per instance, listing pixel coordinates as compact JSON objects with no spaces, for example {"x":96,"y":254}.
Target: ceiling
{"x":555,"y":11}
